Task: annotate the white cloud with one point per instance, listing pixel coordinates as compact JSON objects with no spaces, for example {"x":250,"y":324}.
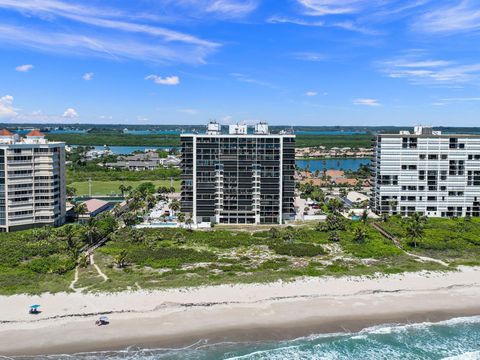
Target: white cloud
{"x":6,"y":107}
{"x":88,"y":76}
{"x":189,"y":111}
{"x":418,"y":70}
{"x":311,"y":93}
{"x":462,"y":17}
{"x":168,"y":80}
{"x":366,"y":102}
{"x":70,"y":113}
{"x":24,"y":68}
{"x":119,"y":42}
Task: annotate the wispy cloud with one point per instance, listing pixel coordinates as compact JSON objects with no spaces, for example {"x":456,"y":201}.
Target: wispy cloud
{"x":88,"y":76}
{"x":309,"y":56}
{"x":24,"y":68}
{"x":332,"y":7}
{"x":311,"y":93}
{"x":418,"y":70}
{"x":248,"y":79}
{"x":366,"y":102}
{"x":6,"y":107}
{"x":456,"y":17}
{"x":110,"y":47}
{"x":231,"y":8}
{"x":168,"y":80}
{"x":291,"y":20}
{"x":171,"y":45}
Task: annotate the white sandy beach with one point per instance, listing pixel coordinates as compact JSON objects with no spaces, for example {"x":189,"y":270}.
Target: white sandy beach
{"x":239,"y":312}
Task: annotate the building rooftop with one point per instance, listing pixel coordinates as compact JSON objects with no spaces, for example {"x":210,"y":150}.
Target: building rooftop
{"x":5,"y":132}
{"x":259,"y":129}
{"x":428,"y":131}
{"x":35,"y":133}
{"x":94,"y":205}
{"x":33,"y":137}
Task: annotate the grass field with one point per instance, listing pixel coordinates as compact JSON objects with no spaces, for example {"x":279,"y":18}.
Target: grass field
{"x":111,"y":187}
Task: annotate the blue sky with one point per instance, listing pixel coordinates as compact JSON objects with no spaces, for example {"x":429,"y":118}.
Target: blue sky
{"x":290,"y":62}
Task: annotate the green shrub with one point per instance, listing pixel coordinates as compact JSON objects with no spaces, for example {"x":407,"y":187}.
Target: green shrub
{"x":298,"y":250}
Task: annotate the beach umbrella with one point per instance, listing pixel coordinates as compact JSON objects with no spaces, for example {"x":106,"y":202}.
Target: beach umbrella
{"x":103,"y":318}
{"x":35,"y":306}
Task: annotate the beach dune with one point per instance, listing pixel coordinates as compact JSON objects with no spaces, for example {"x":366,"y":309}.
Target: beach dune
{"x":280,"y":310}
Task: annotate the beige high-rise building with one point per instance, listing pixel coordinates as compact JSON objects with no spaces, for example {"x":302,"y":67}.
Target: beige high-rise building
{"x":32,"y":181}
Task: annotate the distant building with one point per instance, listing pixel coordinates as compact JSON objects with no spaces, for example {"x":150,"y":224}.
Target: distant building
{"x":427,"y":172}
{"x":238,"y":177}
{"x":145,"y":161}
{"x":32,"y":181}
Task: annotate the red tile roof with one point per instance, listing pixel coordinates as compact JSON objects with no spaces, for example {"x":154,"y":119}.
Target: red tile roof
{"x":35,"y":133}
{"x":5,"y":132}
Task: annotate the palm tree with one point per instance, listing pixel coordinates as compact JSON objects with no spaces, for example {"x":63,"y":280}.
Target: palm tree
{"x":121,"y":259}
{"x":364,"y":216}
{"x":80,"y":209}
{"x":175,"y":205}
{"x":181,"y":217}
{"x":150,"y":200}
{"x":359,"y":234}
{"x":415,"y":228}
{"x":92,"y":230}
{"x":71,"y":191}
{"x":70,"y":235}
{"x":335,"y":205}
{"x":122,"y":189}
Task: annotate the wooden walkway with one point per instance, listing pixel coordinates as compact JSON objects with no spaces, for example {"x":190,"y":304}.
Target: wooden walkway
{"x":398,"y":244}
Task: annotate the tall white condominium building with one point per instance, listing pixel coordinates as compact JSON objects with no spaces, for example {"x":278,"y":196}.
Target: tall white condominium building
{"x":427,"y":172}
{"x":243,"y":176}
{"x":32,"y":181}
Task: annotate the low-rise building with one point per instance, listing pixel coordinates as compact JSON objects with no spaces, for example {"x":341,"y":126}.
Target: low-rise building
{"x":144,"y":161}
{"x":95,"y":207}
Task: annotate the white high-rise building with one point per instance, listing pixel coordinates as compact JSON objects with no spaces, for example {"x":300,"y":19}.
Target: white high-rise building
{"x":32,"y":181}
{"x":428,"y":172}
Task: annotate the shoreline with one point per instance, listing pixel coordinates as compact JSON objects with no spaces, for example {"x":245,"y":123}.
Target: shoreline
{"x":278,"y":311}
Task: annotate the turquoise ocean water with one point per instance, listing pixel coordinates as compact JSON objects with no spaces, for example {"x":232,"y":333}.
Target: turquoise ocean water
{"x":453,"y":339}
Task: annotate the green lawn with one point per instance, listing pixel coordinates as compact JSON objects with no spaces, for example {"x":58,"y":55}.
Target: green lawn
{"x":111,"y":187}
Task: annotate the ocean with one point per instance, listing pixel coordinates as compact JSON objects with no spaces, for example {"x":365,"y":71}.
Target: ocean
{"x":453,"y":339}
